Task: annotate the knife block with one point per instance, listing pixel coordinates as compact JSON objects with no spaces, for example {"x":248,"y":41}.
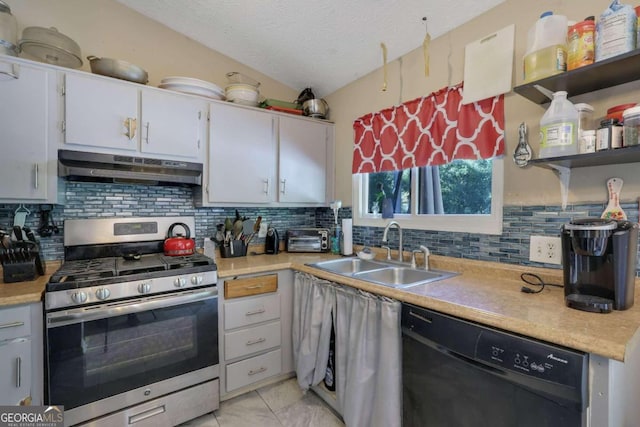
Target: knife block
{"x":20,"y":271}
{"x":239,"y":249}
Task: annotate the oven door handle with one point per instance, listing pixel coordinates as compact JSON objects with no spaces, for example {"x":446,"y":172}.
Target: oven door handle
{"x":78,"y":315}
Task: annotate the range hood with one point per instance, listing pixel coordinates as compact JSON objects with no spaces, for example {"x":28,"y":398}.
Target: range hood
{"x":117,"y":168}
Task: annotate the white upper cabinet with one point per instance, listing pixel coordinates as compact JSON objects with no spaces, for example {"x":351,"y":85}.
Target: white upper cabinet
{"x":25,"y":127}
{"x":261,"y":158}
{"x":116,"y":116}
{"x":303,"y":160}
{"x":172,"y":124}
{"x":98,"y":113}
{"x":242,"y":156}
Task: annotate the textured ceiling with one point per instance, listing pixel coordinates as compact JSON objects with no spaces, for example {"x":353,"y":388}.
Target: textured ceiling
{"x":324,"y":45}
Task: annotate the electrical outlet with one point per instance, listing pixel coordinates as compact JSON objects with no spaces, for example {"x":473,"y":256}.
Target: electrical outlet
{"x":545,"y":249}
{"x":263,"y":229}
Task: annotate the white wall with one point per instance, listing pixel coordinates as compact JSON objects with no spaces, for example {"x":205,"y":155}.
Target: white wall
{"x":106,"y":28}
{"x":522,"y":186}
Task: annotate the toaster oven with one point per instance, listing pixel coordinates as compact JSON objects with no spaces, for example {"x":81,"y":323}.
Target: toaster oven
{"x":307,"y":240}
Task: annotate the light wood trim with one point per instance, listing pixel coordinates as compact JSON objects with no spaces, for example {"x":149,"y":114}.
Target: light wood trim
{"x":250,"y":286}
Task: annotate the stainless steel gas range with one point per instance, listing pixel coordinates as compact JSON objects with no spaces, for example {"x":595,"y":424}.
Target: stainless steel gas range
{"x":131,"y":334}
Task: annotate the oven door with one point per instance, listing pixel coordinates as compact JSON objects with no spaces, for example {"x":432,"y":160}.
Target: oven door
{"x":101,"y":351}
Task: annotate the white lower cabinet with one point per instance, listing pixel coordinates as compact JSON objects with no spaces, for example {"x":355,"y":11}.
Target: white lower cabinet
{"x":246,"y":341}
{"x":254,"y":369}
{"x":255,"y":330}
{"x":21,"y":373}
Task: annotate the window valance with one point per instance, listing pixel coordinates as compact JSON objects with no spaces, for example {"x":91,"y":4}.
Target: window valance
{"x":432,"y":130}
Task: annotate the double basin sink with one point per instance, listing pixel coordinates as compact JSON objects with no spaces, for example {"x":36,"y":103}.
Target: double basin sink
{"x":394,"y":275}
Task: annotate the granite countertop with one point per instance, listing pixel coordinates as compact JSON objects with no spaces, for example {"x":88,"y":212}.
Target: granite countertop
{"x":26,"y":292}
{"x":483,"y":292}
{"x":487,"y":293}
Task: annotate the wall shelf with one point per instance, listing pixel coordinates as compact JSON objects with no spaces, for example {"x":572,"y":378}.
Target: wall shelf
{"x":600,"y":75}
{"x":599,"y":158}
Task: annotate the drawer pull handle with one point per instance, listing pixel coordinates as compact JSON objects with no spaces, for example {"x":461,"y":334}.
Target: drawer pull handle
{"x":255,"y":286}
{"x":258,"y":311}
{"x":18,"y":372}
{"x":147,"y":414}
{"x":257,"y":371}
{"x":11,"y":325}
{"x":256,"y":341}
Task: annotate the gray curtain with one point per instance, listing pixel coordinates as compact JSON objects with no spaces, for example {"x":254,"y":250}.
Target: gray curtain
{"x":313,"y":302}
{"x":368,"y":359}
{"x":430,"y":197}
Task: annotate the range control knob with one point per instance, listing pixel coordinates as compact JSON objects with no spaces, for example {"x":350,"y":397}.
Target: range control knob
{"x":196,"y":280}
{"x":79,"y":297}
{"x":102,"y":293}
{"x":144,"y":288}
{"x":180,"y":282}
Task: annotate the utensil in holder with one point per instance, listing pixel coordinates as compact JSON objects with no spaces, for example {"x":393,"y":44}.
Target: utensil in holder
{"x":239,"y":249}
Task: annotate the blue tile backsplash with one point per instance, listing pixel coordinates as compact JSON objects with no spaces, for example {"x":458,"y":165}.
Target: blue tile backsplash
{"x":93,"y":200}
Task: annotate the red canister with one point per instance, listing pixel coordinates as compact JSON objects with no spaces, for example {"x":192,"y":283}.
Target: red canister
{"x":616,"y":112}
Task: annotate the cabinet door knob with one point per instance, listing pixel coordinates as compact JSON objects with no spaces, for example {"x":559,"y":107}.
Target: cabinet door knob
{"x":284,"y":186}
{"x":131,"y":125}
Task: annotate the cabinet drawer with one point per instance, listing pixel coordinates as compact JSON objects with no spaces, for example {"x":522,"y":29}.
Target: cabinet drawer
{"x":251,"y":370}
{"x":15,"y":322}
{"x":247,"y":341}
{"x":251,"y":311}
{"x":250,"y":286}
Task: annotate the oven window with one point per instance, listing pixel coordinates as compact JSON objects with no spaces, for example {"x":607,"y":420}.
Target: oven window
{"x":96,"y":359}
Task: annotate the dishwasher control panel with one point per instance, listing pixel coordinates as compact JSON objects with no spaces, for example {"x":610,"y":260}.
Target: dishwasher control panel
{"x":530,"y":357}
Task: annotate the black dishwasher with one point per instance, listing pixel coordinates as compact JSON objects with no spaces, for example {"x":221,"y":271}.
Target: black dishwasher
{"x":460,"y":374}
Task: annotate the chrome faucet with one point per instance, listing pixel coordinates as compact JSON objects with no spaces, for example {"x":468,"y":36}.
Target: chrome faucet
{"x":426,"y":252}
{"x":384,"y":237}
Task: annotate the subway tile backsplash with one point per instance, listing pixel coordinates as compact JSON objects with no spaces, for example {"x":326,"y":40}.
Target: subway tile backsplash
{"x":93,"y":200}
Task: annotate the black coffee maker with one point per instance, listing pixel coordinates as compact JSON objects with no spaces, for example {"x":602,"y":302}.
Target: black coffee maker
{"x":599,"y":263}
{"x":271,"y":242}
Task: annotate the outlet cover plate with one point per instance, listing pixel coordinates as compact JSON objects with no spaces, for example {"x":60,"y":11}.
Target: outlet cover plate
{"x":545,"y":249}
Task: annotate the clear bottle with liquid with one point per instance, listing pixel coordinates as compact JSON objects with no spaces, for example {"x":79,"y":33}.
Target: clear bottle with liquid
{"x":559,"y":128}
{"x":546,"y":53}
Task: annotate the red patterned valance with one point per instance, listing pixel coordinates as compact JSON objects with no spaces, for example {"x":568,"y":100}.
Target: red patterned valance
{"x":433,"y":130}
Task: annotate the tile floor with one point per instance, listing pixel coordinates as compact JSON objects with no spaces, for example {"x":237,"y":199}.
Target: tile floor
{"x":276,"y":405}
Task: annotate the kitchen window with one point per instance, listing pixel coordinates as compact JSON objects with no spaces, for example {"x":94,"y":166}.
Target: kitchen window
{"x":432,"y":163}
{"x":462,"y":196}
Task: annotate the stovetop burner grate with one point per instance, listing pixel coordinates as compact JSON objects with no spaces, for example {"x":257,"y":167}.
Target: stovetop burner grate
{"x":80,"y":273}
{"x":88,"y":269}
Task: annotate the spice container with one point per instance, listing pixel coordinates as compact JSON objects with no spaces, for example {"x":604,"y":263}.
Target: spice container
{"x":631,"y":126}
{"x":609,"y":135}
{"x":585,"y":111}
{"x":587,"y":142}
{"x":581,"y":44}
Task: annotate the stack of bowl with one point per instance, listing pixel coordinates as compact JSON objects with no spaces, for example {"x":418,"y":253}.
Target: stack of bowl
{"x":192,"y":86}
{"x":242,"y":89}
